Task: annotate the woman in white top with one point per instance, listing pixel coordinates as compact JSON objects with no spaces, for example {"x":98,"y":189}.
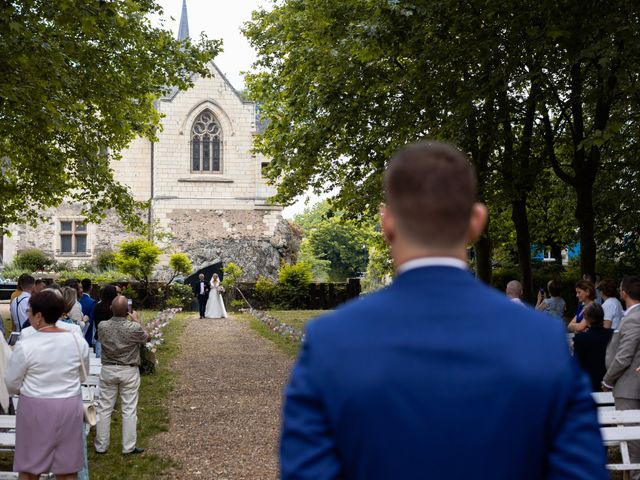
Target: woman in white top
{"x":45,"y":369}
{"x":215,"y":303}
{"x":611,"y":305}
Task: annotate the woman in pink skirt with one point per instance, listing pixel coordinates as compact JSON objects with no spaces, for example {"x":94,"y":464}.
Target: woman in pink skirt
{"x":45,"y":370}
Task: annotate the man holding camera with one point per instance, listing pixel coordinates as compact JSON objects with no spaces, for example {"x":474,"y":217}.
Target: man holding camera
{"x":121,"y":338}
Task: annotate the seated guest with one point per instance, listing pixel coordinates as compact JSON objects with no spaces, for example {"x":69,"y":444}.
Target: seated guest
{"x":586,"y":295}
{"x":45,"y":369}
{"x":591,"y":346}
{"x":554,"y":305}
{"x":611,"y":305}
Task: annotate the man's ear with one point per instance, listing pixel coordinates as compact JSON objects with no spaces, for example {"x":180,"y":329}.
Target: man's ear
{"x":477,"y":221}
{"x":388,"y":225}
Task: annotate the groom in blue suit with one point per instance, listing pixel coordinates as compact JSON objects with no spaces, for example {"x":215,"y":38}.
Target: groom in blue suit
{"x":437,"y":376}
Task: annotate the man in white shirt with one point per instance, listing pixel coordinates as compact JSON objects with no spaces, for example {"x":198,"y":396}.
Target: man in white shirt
{"x":611,"y":305}
{"x":19,"y":305}
{"x":514,"y":291}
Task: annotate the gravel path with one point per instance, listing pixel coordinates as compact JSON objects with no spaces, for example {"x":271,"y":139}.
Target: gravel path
{"x":225,"y":410}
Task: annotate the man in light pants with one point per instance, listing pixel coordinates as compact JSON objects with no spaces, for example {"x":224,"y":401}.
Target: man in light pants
{"x":121,"y":338}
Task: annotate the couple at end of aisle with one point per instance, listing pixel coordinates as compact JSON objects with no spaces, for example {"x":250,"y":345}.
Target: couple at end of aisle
{"x":209,"y":296}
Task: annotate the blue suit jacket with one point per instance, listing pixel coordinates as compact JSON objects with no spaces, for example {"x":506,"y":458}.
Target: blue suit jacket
{"x":438,"y":377}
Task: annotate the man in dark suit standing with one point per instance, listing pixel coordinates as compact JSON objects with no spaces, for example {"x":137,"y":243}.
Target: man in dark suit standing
{"x":438,"y":375}
{"x":201,"y":291}
{"x":623,"y":358}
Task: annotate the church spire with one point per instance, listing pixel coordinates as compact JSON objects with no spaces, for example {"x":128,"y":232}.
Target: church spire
{"x":183,"y":31}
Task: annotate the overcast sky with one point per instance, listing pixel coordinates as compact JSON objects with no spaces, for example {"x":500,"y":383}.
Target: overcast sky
{"x":219,"y":20}
{"x":223,"y":20}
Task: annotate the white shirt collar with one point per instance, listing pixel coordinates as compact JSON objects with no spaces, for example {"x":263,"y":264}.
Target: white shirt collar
{"x":432,"y":262}
{"x":628,"y":310}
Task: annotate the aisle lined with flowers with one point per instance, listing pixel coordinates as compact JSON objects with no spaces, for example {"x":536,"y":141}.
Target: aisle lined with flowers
{"x":225,"y":411}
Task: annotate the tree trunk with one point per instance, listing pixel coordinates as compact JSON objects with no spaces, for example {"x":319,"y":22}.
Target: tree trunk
{"x":586,"y":222}
{"x":523,"y":242}
{"x":483,"y":257}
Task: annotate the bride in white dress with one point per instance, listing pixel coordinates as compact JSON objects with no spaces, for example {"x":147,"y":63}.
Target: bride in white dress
{"x":215,"y":304}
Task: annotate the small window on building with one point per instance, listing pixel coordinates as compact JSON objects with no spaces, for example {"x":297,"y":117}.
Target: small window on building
{"x":73,"y":237}
{"x":206,"y":144}
{"x":263,"y":168}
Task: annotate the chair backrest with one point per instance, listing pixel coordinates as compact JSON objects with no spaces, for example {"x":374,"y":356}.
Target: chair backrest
{"x":603,"y":398}
{"x":609,"y":416}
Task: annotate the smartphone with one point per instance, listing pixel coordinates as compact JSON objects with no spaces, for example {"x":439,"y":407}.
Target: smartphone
{"x":130,"y":304}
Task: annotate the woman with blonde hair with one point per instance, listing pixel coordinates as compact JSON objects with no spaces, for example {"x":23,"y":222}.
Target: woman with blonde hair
{"x":70,"y":297}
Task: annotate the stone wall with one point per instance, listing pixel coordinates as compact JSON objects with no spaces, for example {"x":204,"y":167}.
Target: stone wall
{"x":257,"y":241}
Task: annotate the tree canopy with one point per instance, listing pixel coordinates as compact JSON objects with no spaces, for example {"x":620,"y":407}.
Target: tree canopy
{"x":541,"y":95}
{"x":78,"y":81}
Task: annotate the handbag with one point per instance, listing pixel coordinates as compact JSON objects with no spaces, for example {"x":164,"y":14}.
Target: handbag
{"x":88,"y":409}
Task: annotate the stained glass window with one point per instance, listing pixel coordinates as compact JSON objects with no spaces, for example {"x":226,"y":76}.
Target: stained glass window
{"x":206,"y":143}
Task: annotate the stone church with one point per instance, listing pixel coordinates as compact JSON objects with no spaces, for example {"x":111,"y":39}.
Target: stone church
{"x":204,"y":183}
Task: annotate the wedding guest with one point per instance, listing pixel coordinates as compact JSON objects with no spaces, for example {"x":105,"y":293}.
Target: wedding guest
{"x":70,"y":326}
{"x":623,"y":357}
{"x":554,"y":305}
{"x":586,"y":294}
{"x":70,"y":314}
{"x":102,"y":311}
{"x":590,"y":347}
{"x":438,"y":375}
{"x":18,"y":290}
{"x":611,"y":305}
{"x":76,"y":313}
{"x":514,"y":292}
{"x":121,"y":338}
{"x":38,"y":286}
{"x":45,"y":370}
{"x":19,"y":305}
{"x":88,"y":305}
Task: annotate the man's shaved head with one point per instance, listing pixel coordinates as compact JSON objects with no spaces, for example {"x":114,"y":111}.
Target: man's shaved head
{"x":120,"y":306}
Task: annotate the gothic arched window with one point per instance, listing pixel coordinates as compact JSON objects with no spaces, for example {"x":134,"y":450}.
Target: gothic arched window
{"x":206,"y":144}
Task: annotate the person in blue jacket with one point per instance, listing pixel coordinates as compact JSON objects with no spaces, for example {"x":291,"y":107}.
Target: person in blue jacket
{"x":437,"y":376}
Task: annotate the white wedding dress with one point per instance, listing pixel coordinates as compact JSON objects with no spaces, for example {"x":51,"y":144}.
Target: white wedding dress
{"x":215,"y":304}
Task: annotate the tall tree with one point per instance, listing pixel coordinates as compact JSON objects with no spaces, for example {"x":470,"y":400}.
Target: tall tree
{"x":592,"y":80}
{"x":78,"y":81}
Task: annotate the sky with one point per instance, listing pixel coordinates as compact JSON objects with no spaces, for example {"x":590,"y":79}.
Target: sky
{"x":219,"y":20}
{"x":223,"y":20}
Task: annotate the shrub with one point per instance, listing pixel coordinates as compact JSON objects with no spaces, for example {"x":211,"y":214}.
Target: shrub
{"x":32,"y":260}
{"x":137,"y":258}
{"x":106,"y":260}
{"x":237,"y":304}
{"x":293,"y":284}
{"x":130,"y":292}
{"x":180,"y":265}
{"x":265,"y":292}
{"x":179,"y":295}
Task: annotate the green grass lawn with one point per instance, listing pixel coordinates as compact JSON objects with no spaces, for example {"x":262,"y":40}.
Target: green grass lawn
{"x":295,"y":318}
